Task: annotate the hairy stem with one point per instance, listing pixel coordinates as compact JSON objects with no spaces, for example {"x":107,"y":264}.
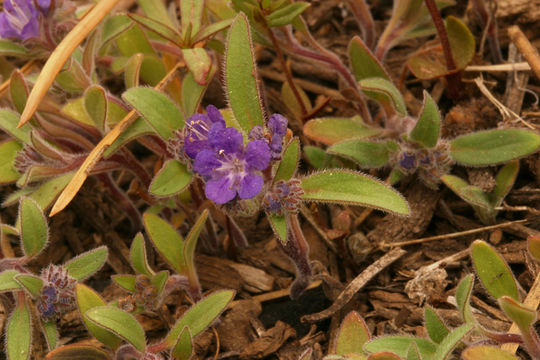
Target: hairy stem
{"x":360,"y":10}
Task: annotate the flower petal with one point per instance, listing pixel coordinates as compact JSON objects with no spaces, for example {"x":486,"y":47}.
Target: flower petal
{"x":215,"y":115}
{"x":258,"y":154}
{"x":250,"y":186}
{"x":278,"y":124}
{"x":205,"y":162}
{"x":220,"y":190}
{"x":230,"y":140}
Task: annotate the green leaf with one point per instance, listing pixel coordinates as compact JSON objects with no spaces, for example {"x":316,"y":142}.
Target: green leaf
{"x":435,"y":327}
{"x":278,"y":223}
{"x":522,"y":315}
{"x":533,"y":244}
{"x":135,"y":130}
{"x":183,"y":349}
{"x":8,"y":48}
{"x":427,"y":129}
{"x":493,"y":272}
{"x":34,"y":228}
{"x":86,"y":264}
{"x":8,"y":282}
{"x":78,"y":351}
{"x":429,"y":62}
{"x":352,"y":335}
{"x":332,"y":130}
{"x":191,"y":243}
{"x":366,"y":153}
{"x":482,"y":352}
{"x":119,"y":322}
{"x":364,"y":64}
{"x":95,"y":102}
{"x":286,"y":14}
{"x":8,"y":123}
{"x":191,"y":16}
{"x":157,"y":109}
{"x":126,"y":282}
{"x":160,"y":280}
{"x":201,"y":315}
{"x":47,"y":191}
{"x":493,"y":146}
{"x":504,"y":182}
{"x":289,"y":161}
{"x":192,"y":93}
{"x":469,"y":193}
{"x":383,"y":355}
{"x":156,"y":10}
{"x":413,"y":353}
{"x":73,"y":79}
{"x":132,"y":41}
{"x":199,"y":63}
{"x":166,"y":240}
{"x":384,"y":92}
{"x":30,"y":283}
{"x":319,"y":159}
{"x":158,"y":27}
{"x":353,"y":188}
{"x":242,"y":86}
{"x":463,"y":298}
{"x":138,"y":258}
{"x":113,"y":27}
{"x":18,"y":90}
{"x":19,"y":333}
{"x":51,"y":333}
{"x":88,"y":299}
{"x":448,"y":344}
{"x":8,"y":151}
{"x":211,"y":29}
{"x":132,"y":70}
{"x":400,"y":345}
{"x":173,"y":178}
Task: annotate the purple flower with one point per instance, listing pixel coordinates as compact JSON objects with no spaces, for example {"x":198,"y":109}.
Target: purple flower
{"x":57,"y":294}
{"x":276,"y":128}
{"x":229,"y":167}
{"x":20,"y":18}
{"x":277,"y":124}
{"x":198,"y":128}
{"x":408,"y":162}
{"x":284,"y":195}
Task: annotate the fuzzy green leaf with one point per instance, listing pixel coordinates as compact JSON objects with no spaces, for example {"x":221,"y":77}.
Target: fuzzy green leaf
{"x":493,"y":146}
{"x":156,"y":10}
{"x":384,"y":92}
{"x":159,"y":28}
{"x":8,"y":282}
{"x":8,"y":48}
{"x":30,"y":283}
{"x":278,"y":224}
{"x":184,"y":346}
{"x":135,"y":130}
{"x":160,"y":280}
{"x":463,"y":298}
{"x":201,"y":315}
{"x":8,"y":123}
{"x":364,"y":64}
{"x":192,"y":13}
{"x":522,"y":315}
{"x":400,"y":345}
{"x":51,"y":333}
{"x":18,"y":90}
{"x":138,"y":258}
{"x":95,"y":102}
{"x":119,"y":322}
{"x":8,"y":151}
{"x":426,"y":131}
{"x":88,"y":299}
{"x":504,"y":182}
{"x":435,"y":327}
{"x":482,"y":352}
{"x":199,"y":63}
{"x":289,"y":161}
{"x":353,"y":333}
{"x":332,"y":130}
{"x":448,"y":344}
{"x":34,"y":228}
{"x":533,"y":244}
{"x":211,"y":29}
{"x":173,"y":178}
{"x":78,"y":352}
{"x":493,"y":272}
{"x":366,"y":153}
{"x":469,"y":193}
{"x":126,"y":282}
{"x":353,"y":188}
{"x":166,"y":240}
{"x":19,"y":333}
{"x":242,"y":86}
{"x":132,"y":71}
{"x":88,"y":263}
{"x":286,"y":14}
{"x":157,"y":109}
{"x":189,"y":249}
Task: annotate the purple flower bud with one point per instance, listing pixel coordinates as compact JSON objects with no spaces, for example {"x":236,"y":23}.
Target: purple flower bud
{"x":284,"y":195}
{"x":257,"y":133}
{"x":57,"y":294}
{"x":20,"y":19}
{"x":277,"y":124}
{"x":408,"y":162}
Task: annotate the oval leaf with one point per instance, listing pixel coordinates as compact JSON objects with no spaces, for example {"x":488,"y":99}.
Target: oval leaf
{"x":427,"y":128}
{"x":435,"y":327}
{"x":8,"y":282}
{"x":19,"y":333}
{"x":289,"y":161}
{"x":166,"y":240}
{"x":367,"y":154}
{"x":493,"y":146}
{"x":384,"y":92}
{"x":241,"y":76}
{"x":138,"y":258}
{"x":353,"y":188}
{"x":119,"y":322}
{"x":493,"y":271}
{"x":173,"y":178}
{"x":448,"y":344}
{"x":352,"y":335}
{"x":332,"y":130}
{"x":86,"y":264}
{"x":364,"y":64}
{"x":184,"y":346}
{"x":34,"y":228}
{"x":30,"y":283}
{"x":8,"y":151}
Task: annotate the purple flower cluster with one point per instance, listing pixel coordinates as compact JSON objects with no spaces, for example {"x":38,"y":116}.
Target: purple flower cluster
{"x":273,"y":134}
{"x":284,"y":195}
{"x":57,"y":294}
{"x":228,"y":167}
{"x":431,"y":163}
{"x":21,"y":18}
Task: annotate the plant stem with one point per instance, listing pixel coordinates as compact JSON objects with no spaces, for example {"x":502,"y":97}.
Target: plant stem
{"x":360,"y":10}
{"x":453,"y":79}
